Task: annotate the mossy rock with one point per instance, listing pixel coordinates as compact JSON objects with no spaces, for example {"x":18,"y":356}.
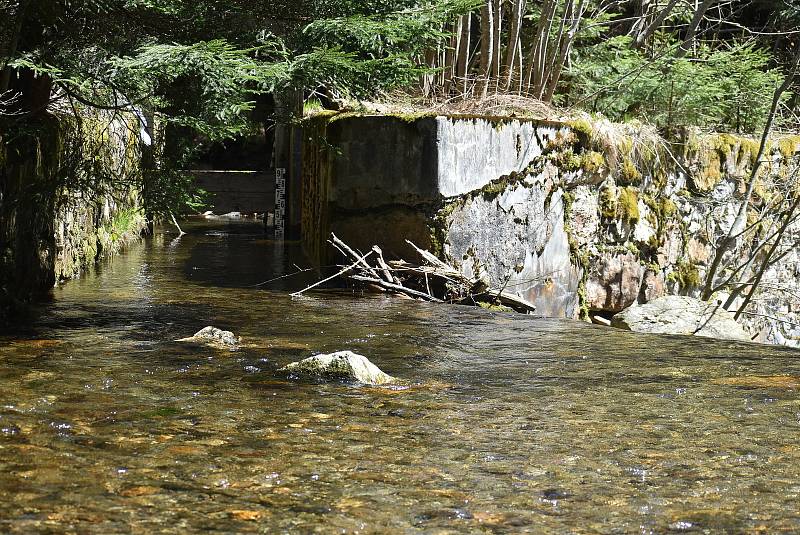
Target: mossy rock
{"x":685,"y":274}
{"x":342,"y":365}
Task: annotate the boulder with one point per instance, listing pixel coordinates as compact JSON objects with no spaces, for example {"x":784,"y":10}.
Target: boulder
{"x":214,"y":337}
{"x":675,"y":314}
{"x":614,"y":282}
{"x":342,"y":365}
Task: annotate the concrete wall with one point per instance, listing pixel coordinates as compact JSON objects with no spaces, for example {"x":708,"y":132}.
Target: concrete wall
{"x":383,"y":178}
{"x":581,"y":219}
{"x":238,"y":191}
{"x":473,"y":151}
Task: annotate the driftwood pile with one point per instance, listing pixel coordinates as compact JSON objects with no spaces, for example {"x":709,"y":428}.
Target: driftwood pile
{"x":433,"y":280}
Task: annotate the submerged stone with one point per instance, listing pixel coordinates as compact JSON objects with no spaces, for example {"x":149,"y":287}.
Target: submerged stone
{"x":214,"y":337}
{"x":341,"y":365}
{"x":675,"y":314}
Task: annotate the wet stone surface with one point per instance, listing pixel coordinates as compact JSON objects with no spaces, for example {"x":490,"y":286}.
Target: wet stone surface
{"x":508,"y":424}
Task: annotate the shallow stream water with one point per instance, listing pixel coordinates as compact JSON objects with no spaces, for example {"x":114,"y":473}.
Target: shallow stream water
{"x":510,"y":424}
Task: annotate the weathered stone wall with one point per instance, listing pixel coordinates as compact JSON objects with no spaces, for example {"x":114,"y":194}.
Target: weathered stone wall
{"x":640,"y":221}
{"x":581,"y":218}
{"x":51,"y":227}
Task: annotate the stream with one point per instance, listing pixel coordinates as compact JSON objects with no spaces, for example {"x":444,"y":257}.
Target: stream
{"x":509,"y":423}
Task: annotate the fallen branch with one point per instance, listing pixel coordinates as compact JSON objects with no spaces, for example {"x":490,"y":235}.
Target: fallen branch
{"x":434,"y":280}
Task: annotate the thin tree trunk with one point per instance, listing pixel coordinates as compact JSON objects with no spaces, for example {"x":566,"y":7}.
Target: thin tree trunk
{"x":496,"y":44}
{"x":9,"y":47}
{"x":550,"y":60}
{"x":517,"y":11}
{"x":740,"y":222}
{"x":462,"y":63}
{"x":487,"y":47}
{"x":451,"y":56}
{"x":650,"y":29}
{"x":691,"y":31}
{"x":564,"y":49}
{"x":536,"y":67}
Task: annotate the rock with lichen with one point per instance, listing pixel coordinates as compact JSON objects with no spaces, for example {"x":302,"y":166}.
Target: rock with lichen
{"x":341,"y":365}
{"x":214,"y":337}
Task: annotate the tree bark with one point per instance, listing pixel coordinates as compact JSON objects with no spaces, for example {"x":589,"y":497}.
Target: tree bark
{"x":11,"y":43}
{"x":464,"y":45}
{"x":535,"y":70}
{"x":650,"y":29}
{"x":497,"y":30}
{"x":517,"y":12}
{"x":563,"y":52}
{"x":691,"y":31}
{"x":487,"y":46}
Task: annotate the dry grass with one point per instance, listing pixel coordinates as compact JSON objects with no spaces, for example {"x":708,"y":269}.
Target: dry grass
{"x":499,"y":105}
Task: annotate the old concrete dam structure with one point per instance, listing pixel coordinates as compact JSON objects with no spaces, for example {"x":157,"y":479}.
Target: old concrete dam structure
{"x":579,"y":217}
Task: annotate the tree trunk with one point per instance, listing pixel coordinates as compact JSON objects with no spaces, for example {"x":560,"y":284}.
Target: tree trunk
{"x":10,"y":41}
{"x":563,"y":51}
{"x":464,"y":44}
{"x":536,"y":63}
{"x":517,"y":12}
{"x":487,"y":46}
{"x":650,"y":29}
{"x":496,"y":44}
{"x":691,"y":31}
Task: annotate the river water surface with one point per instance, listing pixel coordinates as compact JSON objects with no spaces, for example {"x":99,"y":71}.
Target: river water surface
{"x":511,"y":424}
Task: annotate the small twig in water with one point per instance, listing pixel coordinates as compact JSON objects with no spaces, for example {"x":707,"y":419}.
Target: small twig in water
{"x":175,"y":222}
{"x":341,"y":272}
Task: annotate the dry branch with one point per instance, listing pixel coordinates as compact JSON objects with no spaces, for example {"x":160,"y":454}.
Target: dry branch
{"x":433,"y":280}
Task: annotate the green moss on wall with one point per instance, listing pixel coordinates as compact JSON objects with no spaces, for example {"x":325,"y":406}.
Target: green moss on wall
{"x":593,"y":162}
{"x":685,"y":274}
{"x":628,"y":204}
{"x":607,"y":200}
{"x":629,"y":175}
{"x":789,"y":146}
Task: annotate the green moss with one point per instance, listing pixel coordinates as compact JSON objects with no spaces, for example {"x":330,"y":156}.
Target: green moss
{"x":628,"y":204}
{"x":710,"y":172}
{"x":412,"y":117}
{"x":592,"y":162}
{"x":566,"y":160}
{"x":563,"y":140}
{"x":749,"y":150}
{"x":607,"y":200}
{"x":629,"y":175}
{"x":789,"y":146}
{"x":494,"y":307}
{"x":581,"y":126}
{"x":686,"y":274}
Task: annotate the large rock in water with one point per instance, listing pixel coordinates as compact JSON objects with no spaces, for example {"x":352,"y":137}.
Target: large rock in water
{"x":342,"y":365}
{"x":675,"y":314}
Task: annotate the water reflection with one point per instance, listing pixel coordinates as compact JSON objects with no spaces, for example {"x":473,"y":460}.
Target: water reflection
{"x":512,"y":424}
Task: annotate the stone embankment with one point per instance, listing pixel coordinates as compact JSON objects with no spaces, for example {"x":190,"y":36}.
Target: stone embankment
{"x":583,"y":218}
{"x":65,"y":201}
